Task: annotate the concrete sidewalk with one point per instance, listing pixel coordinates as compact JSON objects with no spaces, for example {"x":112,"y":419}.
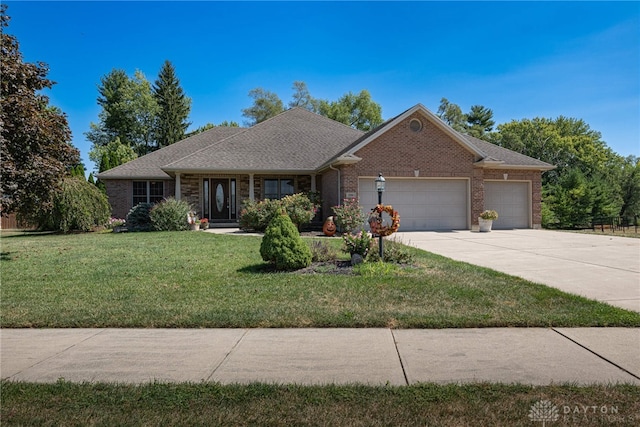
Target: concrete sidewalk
{"x":535,"y":356}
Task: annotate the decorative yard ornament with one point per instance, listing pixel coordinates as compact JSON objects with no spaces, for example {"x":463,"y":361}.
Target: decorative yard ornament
{"x":378,"y":227}
{"x":329,"y":227}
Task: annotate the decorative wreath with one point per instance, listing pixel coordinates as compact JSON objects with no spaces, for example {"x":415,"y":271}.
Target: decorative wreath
{"x":375,"y":220}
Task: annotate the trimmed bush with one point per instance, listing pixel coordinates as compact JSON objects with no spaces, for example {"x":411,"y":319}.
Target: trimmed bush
{"x":170,"y":215}
{"x":78,"y":206}
{"x":283,"y":247}
{"x":138,"y":218}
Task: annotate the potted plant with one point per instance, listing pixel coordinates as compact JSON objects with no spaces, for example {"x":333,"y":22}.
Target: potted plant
{"x":486,"y":218}
{"x":204,"y":223}
{"x":194,"y":222}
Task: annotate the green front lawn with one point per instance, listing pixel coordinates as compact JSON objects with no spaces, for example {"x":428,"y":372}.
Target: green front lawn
{"x":189,"y":279}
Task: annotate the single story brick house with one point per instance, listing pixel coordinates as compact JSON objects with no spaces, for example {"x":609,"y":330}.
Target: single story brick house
{"x":437,"y":178}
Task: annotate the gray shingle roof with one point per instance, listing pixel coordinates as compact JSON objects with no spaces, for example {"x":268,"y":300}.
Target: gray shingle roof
{"x":149,"y":166}
{"x":509,"y":157}
{"x":295,"y":140}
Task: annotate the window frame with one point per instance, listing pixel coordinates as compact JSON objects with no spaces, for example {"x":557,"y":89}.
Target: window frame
{"x":146,"y":195}
{"x":279,"y":184}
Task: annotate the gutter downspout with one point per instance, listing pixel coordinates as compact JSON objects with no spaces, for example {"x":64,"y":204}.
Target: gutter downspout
{"x":337,"y":170}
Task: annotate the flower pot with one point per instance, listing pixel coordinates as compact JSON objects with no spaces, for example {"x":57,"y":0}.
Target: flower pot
{"x":485,"y":224}
{"x":194,"y":226}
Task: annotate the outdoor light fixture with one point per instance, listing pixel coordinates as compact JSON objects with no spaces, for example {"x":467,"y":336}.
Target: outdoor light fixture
{"x":380,"y":181}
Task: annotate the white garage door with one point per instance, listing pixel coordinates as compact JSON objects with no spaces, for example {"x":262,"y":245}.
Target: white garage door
{"x":512,"y":202}
{"x":423,"y":204}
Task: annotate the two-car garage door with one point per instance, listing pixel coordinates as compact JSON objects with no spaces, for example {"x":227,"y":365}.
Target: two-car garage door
{"x":423,"y":204}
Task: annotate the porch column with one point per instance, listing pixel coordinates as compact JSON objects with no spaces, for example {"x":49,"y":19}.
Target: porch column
{"x":251,"y":188}
{"x":313,"y":182}
{"x":178,"y":193}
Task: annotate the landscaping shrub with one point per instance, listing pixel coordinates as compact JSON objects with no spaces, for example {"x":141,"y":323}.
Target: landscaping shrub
{"x":138,"y":218}
{"x":78,"y":206}
{"x":300,"y":209}
{"x":394,"y":252}
{"x":283,"y":247}
{"x":257,"y":215}
{"x":170,"y":215}
{"x":359,"y":243}
{"x":349,"y":216}
{"x":322,"y":251}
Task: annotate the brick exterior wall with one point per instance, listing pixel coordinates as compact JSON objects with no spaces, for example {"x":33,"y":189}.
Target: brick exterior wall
{"x":120,"y":195}
{"x":400,"y":151}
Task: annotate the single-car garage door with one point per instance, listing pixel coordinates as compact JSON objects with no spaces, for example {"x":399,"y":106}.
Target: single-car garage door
{"x":423,"y":204}
{"x":512,"y":202}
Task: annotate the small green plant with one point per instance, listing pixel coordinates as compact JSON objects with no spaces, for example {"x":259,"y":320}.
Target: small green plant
{"x":283,"y":247}
{"x":349,"y":216}
{"x":321,"y":251}
{"x":138,"y":218}
{"x":394,"y":252}
{"x":376,"y":269}
{"x":359,"y":243}
{"x":489,"y":214}
{"x":170,"y":215}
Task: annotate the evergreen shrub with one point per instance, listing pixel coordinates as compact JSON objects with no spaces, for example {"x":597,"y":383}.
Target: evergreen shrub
{"x":138,"y":218}
{"x":283,"y":247}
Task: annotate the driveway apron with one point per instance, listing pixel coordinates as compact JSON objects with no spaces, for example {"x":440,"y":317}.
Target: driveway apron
{"x":604,"y":268}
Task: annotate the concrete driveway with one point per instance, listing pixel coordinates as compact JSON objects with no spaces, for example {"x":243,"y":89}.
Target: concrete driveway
{"x":603,"y":268}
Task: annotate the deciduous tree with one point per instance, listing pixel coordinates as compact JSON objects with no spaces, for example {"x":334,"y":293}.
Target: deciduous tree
{"x":265,"y":105}
{"x":35,"y":139}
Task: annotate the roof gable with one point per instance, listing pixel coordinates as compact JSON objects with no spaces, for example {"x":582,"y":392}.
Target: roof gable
{"x":389,"y":124}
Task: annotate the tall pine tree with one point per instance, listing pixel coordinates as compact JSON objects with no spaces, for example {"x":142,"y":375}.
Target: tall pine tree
{"x":174,"y":107}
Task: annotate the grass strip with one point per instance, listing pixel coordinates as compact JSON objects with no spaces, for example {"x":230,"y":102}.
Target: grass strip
{"x":69,"y":404}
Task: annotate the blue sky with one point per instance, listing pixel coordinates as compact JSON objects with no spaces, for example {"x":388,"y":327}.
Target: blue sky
{"x":521,"y":59}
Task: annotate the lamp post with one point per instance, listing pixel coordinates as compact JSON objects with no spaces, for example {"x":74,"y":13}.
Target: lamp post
{"x":380,"y":181}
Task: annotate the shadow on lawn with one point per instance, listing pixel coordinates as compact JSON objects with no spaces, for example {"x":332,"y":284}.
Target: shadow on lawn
{"x":262,"y":268}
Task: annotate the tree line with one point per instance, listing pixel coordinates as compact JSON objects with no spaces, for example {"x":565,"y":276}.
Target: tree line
{"x":590,"y":180}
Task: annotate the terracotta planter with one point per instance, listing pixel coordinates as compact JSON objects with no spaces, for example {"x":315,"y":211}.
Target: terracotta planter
{"x":485,"y":225}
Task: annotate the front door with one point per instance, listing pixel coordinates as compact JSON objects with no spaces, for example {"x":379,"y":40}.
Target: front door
{"x":220,"y":199}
